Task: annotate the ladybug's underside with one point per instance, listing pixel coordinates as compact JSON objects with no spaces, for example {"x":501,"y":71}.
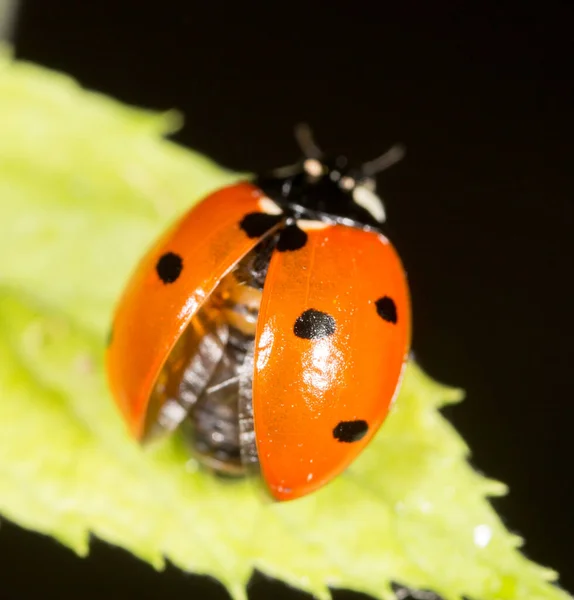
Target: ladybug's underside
{"x":206,"y":384}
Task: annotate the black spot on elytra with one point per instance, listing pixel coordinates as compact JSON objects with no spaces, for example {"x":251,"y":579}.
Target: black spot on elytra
{"x":387,"y":309}
{"x":257,"y":224}
{"x":314,"y":324}
{"x":350,"y":431}
{"x":291,"y":238}
{"x":169,"y":267}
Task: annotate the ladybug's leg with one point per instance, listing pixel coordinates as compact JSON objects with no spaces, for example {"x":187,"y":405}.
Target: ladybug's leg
{"x":206,"y":384}
{"x":247,"y":444}
{"x":212,"y":427}
{"x":220,"y":425}
{"x":183,"y":379}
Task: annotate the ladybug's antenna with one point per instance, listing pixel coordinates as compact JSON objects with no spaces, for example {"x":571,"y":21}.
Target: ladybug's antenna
{"x":386,"y":160}
{"x":304,"y":137}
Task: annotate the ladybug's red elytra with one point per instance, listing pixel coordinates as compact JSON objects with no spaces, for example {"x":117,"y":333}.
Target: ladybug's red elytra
{"x":271,"y":324}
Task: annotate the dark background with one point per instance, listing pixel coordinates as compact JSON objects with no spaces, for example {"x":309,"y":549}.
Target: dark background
{"x":481,"y":210}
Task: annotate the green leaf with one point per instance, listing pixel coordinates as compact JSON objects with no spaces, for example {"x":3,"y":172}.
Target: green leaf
{"x":85,"y":185}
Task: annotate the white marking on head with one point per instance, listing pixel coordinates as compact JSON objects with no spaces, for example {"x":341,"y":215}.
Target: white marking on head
{"x":313,"y":167}
{"x":369,"y":183}
{"x":347,"y":183}
{"x":308,"y":225}
{"x":268,"y":206}
{"x":367,"y":198}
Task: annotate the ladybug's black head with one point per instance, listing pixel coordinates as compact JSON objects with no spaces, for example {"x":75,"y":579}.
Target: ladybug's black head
{"x":326,"y":189}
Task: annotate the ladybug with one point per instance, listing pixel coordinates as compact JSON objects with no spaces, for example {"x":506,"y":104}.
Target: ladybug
{"x":271,"y":325}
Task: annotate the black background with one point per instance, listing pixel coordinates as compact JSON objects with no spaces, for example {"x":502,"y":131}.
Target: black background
{"x":481,"y":210}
